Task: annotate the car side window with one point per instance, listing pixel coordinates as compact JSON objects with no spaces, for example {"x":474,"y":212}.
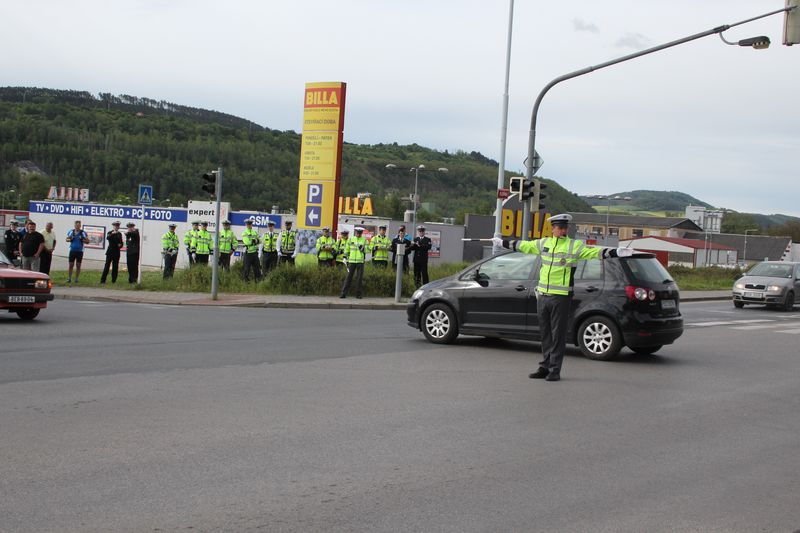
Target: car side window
{"x":515,"y":266}
{"x":589,"y":270}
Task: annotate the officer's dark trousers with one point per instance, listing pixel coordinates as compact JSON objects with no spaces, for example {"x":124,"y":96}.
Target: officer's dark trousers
{"x":169,"y":265}
{"x":45,"y":260}
{"x":269,"y":260}
{"x":380,"y":263}
{"x":326,"y":262}
{"x":553,"y":313}
{"x":421,"y":273}
{"x":113,"y":262}
{"x":357,"y":270}
{"x":201,"y":259}
{"x":133,"y":267}
{"x":251,"y":263}
{"x":190,"y":254}
{"x":225,"y":260}
{"x":287,"y":260}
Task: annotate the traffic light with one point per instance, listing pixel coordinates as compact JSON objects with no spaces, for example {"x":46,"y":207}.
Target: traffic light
{"x":210,"y":185}
{"x":538,"y":195}
{"x":515,"y":186}
{"x":791,"y":23}
{"x":527,"y":190}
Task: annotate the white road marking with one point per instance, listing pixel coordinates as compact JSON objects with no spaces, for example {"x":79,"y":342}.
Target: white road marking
{"x":759,"y":326}
{"x":790,"y":331}
{"x":726,"y":322}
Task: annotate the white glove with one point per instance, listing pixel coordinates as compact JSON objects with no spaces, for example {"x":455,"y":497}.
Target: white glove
{"x":624,"y":252}
{"x":497,"y":242}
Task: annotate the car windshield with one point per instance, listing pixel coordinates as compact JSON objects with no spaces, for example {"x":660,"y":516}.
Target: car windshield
{"x":4,"y":260}
{"x":648,"y":269}
{"x":771,"y":270}
{"x":515,"y":266}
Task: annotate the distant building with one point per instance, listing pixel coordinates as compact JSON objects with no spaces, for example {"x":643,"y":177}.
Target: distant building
{"x":593,"y":225}
{"x":686,"y":252}
{"x":709,"y":220}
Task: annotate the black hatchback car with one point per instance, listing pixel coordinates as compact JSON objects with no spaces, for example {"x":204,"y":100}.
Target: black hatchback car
{"x":617,"y":302}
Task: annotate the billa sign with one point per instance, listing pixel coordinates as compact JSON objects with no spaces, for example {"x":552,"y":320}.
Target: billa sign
{"x":73,"y":194}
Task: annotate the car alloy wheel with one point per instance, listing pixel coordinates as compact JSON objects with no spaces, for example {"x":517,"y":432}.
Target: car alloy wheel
{"x":439,"y":324}
{"x":599,"y":338}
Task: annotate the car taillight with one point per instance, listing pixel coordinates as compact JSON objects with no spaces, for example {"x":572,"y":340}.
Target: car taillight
{"x":639,"y":294}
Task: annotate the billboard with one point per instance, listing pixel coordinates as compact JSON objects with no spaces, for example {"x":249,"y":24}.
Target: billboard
{"x":321,"y":155}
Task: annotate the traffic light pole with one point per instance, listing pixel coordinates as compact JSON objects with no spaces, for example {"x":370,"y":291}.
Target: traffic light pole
{"x":531,"y":161}
{"x":215,"y":264}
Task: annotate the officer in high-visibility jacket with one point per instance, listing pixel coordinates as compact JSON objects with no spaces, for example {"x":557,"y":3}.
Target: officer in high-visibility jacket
{"x":202,"y":244}
{"x":227,"y":245}
{"x":560,"y":255}
{"x":250,"y":239}
{"x":379,"y":246}
{"x":188,"y":237}
{"x":169,"y":250}
{"x":341,"y":243}
{"x":355,"y":254}
{"x":287,"y":244}
{"x":269,"y":248}
{"x":324,"y":246}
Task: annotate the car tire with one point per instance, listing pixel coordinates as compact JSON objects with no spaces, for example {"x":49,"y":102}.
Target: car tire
{"x":438,"y":324}
{"x":599,"y":338}
{"x":737,"y":304}
{"x":28,"y":314}
{"x":788,"y":303}
{"x":646,"y":350}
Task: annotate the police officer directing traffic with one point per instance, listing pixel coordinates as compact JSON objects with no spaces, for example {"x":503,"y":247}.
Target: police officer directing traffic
{"x":421,"y":246}
{"x":560,"y":255}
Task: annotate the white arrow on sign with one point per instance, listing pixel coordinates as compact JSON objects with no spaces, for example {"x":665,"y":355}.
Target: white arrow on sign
{"x":312,"y":216}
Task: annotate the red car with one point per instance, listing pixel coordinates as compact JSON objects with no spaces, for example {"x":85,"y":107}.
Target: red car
{"x":22,"y":291}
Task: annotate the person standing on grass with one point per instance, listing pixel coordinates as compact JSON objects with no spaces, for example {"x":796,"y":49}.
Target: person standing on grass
{"x":227,"y":245}
{"x":115,"y":243}
{"x":76,"y":238}
{"x":132,"y":247}
{"x":169,"y":249}
{"x":250,"y":240}
{"x":46,"y":259}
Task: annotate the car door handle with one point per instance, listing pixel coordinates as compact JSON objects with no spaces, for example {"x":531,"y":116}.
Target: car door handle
{"x":592,"y":288}
{"x":521,"y":288}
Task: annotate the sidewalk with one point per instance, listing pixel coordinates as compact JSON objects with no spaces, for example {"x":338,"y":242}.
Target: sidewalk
{"x":272,"y":301}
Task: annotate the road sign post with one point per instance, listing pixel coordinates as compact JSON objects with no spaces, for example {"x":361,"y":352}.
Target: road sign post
{"x":145,"y":198}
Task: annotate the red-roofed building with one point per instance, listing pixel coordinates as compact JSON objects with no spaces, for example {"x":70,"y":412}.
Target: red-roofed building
{"x":688,"y":252}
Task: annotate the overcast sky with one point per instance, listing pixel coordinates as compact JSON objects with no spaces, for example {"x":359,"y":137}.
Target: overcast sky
{"x":715,"y":121}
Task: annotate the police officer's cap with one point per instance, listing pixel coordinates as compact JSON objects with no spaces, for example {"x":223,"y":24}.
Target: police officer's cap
{"x":359,"y":229}
{"x":14,"y":223}
{"x":288,"y":222}
{"x":560,"y":220}
{"x":195,"y":223}
{"x":116,"y":223}
{"x":248,"y":221}
{"x":420,"y":228}
{"x":382,"y":227}
{"x":173,"y":225}
{"x":326,"y":228}
{"x":345,"y":232}
{"x":226,"y":222}
{"x":130,"y":224}
{"x":270,"y":222}
{"x":204,"y":223}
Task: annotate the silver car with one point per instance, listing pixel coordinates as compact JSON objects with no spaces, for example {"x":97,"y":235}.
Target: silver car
{"x":774,"y":283}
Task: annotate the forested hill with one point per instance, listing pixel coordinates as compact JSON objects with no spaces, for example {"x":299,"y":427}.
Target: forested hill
{"x":110,"y":144}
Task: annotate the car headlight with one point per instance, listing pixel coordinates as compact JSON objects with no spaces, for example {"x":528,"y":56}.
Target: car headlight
{"x":417,"y":294}
{"x":774,"y":288}
{"x":739,"y":285}
{"x":42,"y":284}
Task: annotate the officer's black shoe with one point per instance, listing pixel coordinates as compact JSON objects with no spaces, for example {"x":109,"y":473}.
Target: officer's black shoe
{"x":342,"y":296}
{"x":358,"y":297}
{"x":553,"y":376}
{"x":539,"y":374}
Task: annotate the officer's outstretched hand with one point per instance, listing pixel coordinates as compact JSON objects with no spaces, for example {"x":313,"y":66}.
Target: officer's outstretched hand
{"x":497,"y":242}
{"x":625,"y":252}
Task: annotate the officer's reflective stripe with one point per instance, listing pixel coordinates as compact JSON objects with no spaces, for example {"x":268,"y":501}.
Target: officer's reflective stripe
{"x":270,"y":242}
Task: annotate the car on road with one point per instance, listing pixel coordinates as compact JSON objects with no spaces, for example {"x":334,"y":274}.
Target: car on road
{"x":772,"y":283}
{"x":22,"y":291}
{"x":617,"y":302}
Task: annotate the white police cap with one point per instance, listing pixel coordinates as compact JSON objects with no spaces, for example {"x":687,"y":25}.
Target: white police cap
{"x":358,"y":229}
{"x":560,"y":220}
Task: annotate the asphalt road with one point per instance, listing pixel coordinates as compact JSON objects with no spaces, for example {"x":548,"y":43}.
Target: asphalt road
{"x":131,"y":417}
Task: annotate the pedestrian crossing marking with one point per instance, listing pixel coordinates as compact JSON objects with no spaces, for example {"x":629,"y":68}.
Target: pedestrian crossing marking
{"x":759,"y":326}
{"x":790,"y":331}
{"x":727,"y":322}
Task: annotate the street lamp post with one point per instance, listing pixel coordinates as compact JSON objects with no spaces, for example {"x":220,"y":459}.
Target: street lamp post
{"x":530,"y":162}
{"x":417,"y":169}
{"x":744,"y":252}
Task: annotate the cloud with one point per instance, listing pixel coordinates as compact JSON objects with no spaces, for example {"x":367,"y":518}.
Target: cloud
{"x":580,"y":25}
{"x":637,"y":41}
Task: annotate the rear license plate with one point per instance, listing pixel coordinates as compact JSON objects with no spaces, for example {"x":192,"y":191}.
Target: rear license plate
{"x":21,"y":299}
{"x":667,"y":304}
{"x":753,"y":295}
